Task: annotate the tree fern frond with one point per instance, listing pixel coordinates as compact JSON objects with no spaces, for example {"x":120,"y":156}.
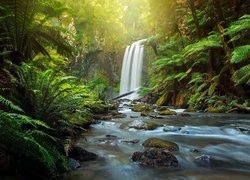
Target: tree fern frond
{"x":240,"y":53}
{"x":242,"y":75}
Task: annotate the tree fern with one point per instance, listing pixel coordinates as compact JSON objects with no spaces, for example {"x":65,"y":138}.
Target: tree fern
{"x":240,"y":54}
{"x":212,"y":41}
{"x":242,"y":76}
{"x":239,"y":28}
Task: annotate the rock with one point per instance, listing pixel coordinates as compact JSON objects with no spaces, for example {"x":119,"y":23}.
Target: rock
{"x":171,"y":129}
{"x":155,"y":158}
{"x":151,"y":126}
{"x":110,"y":136}
{"x":102,"y":117}
{"x":144,"y":113}
{"x":74,"y":164}
{"x":121,"y":115}
{"x":139,"y":124}
{"x":219,"y":109}
{"x":134,"y":116}
{"x":132,"y":141}
{"x":162,"y":108}
{"x":168,"y":112}
{"x":184,"y":115}
{"x":190,"y":109}
{"x":194,"y":150}
{"x":142,"y":107}
{"x":160,"y":143}
{"x":204,"y":160}
{"x":81,"y":154}
{"x":245,"y":130}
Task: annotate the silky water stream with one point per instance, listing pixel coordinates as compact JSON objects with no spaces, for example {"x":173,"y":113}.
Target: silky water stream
{"x":222,"y":141}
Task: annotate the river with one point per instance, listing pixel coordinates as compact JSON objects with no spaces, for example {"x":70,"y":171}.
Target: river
{"x":223,"y":140}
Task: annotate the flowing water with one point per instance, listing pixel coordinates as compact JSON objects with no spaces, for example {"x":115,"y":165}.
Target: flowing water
{"x":132,"y":68}
{"x":215,"y":135}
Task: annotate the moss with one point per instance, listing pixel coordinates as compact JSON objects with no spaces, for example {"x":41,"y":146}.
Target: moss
{"x":160,"y":143}
{"x":142,"y":107}
{"x":161,"y":108}
{"x":190,"y":109}
{"x":167,"y":112}
{"x":219,"y":109}
{"x":151,"y":126}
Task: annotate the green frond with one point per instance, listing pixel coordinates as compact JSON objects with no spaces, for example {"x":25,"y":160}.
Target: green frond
{"x":5,"y":103}
{"x":237,"y":27}
{"x":240,"y":54}
{"x":242,"y":76}
{"x":212,"y":41}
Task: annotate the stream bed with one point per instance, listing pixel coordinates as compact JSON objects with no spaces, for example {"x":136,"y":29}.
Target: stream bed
{"x":211,"y":146}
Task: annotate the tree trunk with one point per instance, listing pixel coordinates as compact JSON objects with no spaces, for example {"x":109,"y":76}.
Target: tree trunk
{"x":196,"y":20}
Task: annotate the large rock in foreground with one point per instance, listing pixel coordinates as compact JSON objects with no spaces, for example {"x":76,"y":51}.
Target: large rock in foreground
{"x":155,"y":158}
{"x":81,"y":154}
{"x":161,"y":144}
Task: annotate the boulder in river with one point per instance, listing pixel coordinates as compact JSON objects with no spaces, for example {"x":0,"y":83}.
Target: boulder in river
{"x":142,"y":107}
{"x":74,"y":164}
{"x":155,"y":158}
{"x":81,"y":154}
{"x":171,"y":129}
{"x":168,"y":112}
{"x":130,"y":141}
{"x":204,"y":160}
{"x":139,"y":124}
{"x":161,"y":144}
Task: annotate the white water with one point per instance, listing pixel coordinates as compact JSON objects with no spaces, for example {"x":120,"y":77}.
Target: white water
{"x":132,"y":69}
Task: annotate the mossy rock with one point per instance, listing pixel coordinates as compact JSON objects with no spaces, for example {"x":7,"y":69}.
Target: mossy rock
{"x":190,"y":109}
{"x":162,"y":108}
{"x":160,"y":143}
{"x":139,"y":124}
{"x":167,"y":112}
{"x":219,"y":109}
{"x":142,"y":107}
{"x":144,"y":113}
{"x":151,"y":126}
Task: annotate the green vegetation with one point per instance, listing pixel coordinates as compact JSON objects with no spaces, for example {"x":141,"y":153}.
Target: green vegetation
{"x":203,"y":61}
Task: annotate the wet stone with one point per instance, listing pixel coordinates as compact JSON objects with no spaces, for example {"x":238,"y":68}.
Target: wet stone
{"x":171,"y":129}
{"x":155,"y":158}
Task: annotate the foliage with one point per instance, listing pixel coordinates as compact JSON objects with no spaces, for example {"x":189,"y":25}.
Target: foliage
{"x":27,"y":26}
{"x":47,"y":95}
{"x":36,"y":149}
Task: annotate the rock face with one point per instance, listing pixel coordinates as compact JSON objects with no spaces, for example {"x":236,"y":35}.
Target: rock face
{"x":81,"y":154}
{"x":161,"y":144}
{"x":139,"y":124}
{"x":155,"y":158}
{"x":167,"y":112}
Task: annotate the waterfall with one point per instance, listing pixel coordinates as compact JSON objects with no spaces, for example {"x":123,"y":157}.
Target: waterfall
{"x":132,"y":68}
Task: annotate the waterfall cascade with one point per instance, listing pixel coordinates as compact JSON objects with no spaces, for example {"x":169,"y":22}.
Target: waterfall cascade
{"x":132,"y":68}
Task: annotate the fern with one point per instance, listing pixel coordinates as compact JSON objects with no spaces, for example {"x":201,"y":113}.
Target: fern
{"x":28,"y":145}
{"x":239,"y":28}
{"x":240,"y":54}
{"x":6,"y":104}
{"x":242,"y":76}
{"x":212,"y":41}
